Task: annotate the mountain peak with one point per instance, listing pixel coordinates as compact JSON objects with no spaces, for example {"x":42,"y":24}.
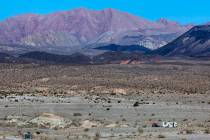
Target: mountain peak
{"x":111,"y":10}
{"x":166,"y":21}
{"x":86,"y":10}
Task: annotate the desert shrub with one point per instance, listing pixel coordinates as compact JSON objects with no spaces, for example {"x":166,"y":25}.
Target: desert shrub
{"x":161,"y":136}
{"x":86,"y":129}
{"x":153,"y":114}
{"x":140,"y":130}
{"x":124,"y":119}
{"x":189,"y":131}
{"x":144,"y":126}
{"x":77,"y":114}
{"x":97,"y":136}
{"x":207,"y":131}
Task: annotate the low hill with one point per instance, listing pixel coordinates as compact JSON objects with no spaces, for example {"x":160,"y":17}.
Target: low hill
{"x":76,"y":58}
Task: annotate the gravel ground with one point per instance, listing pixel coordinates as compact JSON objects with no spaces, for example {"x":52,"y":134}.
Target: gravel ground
{"x":106,"y":101}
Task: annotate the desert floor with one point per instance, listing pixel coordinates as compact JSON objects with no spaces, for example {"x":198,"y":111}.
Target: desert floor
{"x":112,"y":102}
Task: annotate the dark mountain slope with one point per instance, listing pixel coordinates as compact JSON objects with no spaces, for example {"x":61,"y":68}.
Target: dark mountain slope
{"x":120,"y":48}
{"x":194,"y":43}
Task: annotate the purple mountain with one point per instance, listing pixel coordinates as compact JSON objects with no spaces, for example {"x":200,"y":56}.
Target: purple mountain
{"x":70,"y":31}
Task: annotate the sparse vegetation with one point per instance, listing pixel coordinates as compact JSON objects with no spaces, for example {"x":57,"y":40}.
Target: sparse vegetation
{"x":97,"y":136}
{"x":86,"y":129}
{"x":207,"y":131}
{"x":77,"y":114}
{"x":161,"y":136}
{"x":140,"y":130}
{"x":141,"y":87}
{"x":189,"y":131}
{"x":144,"y":126}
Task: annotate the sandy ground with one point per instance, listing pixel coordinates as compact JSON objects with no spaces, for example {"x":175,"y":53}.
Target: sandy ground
{"x":110,"y":117}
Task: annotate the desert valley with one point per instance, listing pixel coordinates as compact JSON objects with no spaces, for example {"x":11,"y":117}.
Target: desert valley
{"x":103,"y":75}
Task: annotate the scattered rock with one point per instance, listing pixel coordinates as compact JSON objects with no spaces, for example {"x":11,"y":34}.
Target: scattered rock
{"x":155,"y":125}
{"x":88,"y":124}
{"x":136,"y":104}
{"x":112,"y":125}
{"x":120,"y":91}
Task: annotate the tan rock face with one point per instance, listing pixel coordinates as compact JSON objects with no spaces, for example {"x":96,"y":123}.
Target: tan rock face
{"x":125,"y":62}
{"x":119,"y":91}
{"x":50,"y":121}
{"x":88,"y":124}
{"x":111,"y":125}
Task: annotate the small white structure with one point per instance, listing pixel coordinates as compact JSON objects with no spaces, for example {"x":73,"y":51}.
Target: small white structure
{"x":169,"y":124}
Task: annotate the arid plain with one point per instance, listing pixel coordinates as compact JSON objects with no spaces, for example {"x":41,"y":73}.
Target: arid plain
{"x":106,"y":101}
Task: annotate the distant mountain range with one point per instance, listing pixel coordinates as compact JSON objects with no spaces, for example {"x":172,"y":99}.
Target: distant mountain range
{"x":83,"y":36}
{"x":83,"y":30}
{"x":193,"y":44}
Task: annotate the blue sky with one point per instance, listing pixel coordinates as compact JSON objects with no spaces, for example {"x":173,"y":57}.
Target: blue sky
{"x":184,"y":11}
